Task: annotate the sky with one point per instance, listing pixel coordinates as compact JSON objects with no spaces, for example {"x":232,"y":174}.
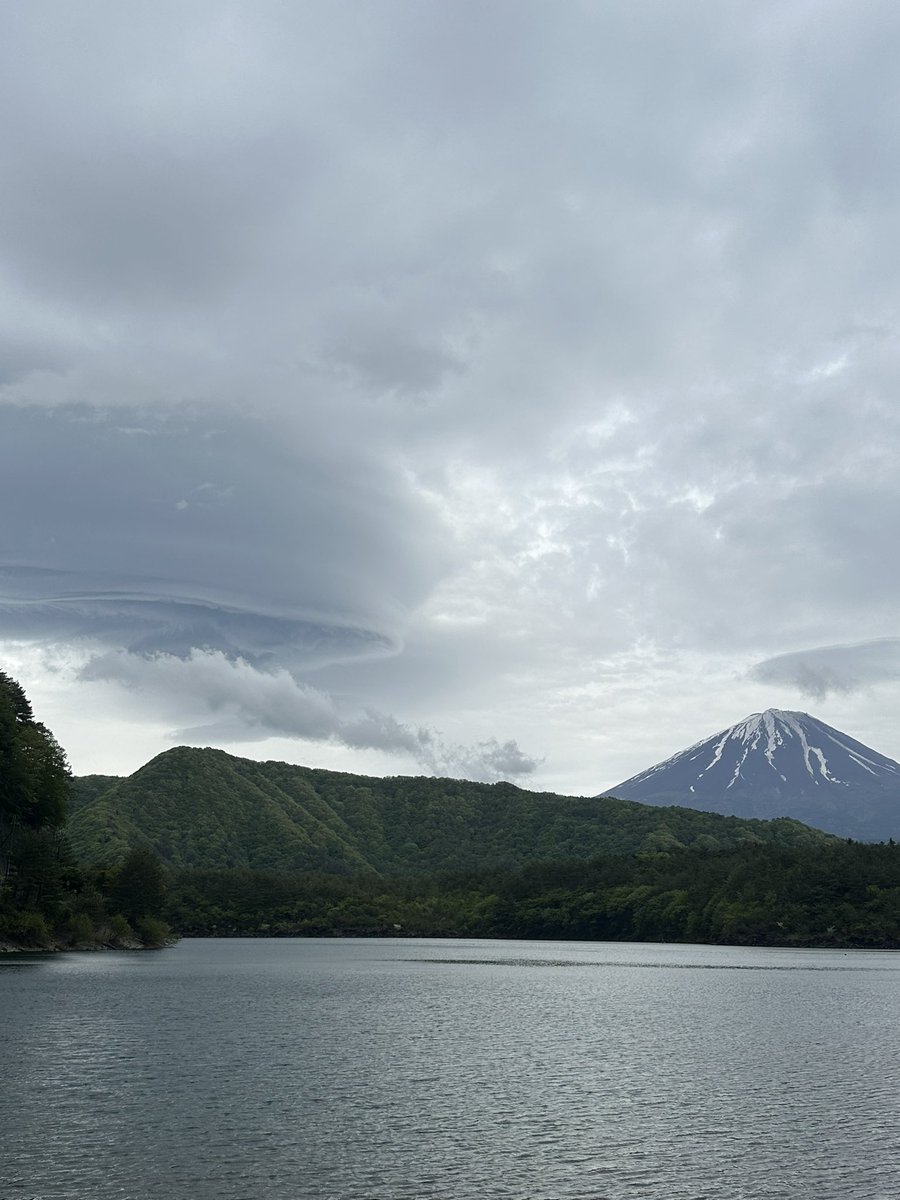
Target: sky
{"x":505,"y":390}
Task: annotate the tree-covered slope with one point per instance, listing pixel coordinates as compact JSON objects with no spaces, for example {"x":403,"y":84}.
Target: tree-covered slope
{"x":85,"y":788}
{"x":202,"y":808}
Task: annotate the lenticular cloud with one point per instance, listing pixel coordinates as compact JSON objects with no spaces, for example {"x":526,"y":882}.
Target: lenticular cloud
{"x":833,"y":670}
{"x":206,"y":563}
{"x":176,"y":533}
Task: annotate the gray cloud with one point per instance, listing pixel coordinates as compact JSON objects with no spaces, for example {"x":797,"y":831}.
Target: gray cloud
{"x":438,"y":353}
{"x":830,"y":670}
{"x":206,"y":530}
{"x":247,"y":704}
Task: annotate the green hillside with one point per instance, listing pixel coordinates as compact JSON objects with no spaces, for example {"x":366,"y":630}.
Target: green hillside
{"x":85,"y":788}
{"x":202,"y":808}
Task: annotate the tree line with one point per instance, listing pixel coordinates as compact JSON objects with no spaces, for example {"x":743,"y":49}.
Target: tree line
{"x":844,"y":894}
{"x":46,"y":897}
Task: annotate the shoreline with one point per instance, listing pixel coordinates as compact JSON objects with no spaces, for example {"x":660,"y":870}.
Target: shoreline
{"x":8,"y":947}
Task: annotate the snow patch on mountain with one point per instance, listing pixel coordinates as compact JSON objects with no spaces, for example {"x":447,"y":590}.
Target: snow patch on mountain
{"x":774,"y":763}
{"x":784,"y":740}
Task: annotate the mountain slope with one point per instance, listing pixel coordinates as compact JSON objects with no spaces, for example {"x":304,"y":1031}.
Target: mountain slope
{"x":205,"y":808}
{"x":779,"y":763}
{"x":86,"y":788}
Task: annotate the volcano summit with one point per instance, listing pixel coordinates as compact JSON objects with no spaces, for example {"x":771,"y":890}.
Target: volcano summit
{"x":780,"y":764}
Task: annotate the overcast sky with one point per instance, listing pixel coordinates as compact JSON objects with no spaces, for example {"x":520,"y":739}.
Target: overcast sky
{"x":502,"y":389}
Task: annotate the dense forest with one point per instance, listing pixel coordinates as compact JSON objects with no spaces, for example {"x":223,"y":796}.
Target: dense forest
{"x":203,"y":808}
{"x":207,"y":844}
{"x":47,"y":899}
{"x":836,"y":894}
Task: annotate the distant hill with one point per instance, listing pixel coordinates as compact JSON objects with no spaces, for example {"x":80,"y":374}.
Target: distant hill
{"x":86,"y":788}
{"x":776,"y":764}
{"x":203,"y":808}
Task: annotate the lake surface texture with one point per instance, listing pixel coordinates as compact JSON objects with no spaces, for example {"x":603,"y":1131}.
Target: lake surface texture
{"x":400,"y":1070}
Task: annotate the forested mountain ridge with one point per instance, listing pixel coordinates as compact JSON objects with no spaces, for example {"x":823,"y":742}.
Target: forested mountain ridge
{"x":203,"y":808}
{"x":84,"y":788}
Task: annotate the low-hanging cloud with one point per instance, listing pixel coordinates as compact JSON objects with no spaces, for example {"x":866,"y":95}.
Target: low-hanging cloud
{"x":248,"y":704}
{"x":833,"y":670}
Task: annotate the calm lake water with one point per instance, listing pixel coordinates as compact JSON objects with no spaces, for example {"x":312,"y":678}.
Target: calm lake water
{"x":406,"y":1069}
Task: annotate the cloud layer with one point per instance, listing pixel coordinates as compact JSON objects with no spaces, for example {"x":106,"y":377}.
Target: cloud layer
{"x":205,"y":530}
{"x":477,"y":368}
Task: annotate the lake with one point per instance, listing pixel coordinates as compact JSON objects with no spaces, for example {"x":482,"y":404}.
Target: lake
{"x":403,"y":1069}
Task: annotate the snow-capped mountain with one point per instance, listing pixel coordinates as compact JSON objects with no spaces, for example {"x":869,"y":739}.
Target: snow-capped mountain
{"x":780,"y":764}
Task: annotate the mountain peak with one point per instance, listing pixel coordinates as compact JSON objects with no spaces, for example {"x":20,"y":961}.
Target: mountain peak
{"x":779,"y":763}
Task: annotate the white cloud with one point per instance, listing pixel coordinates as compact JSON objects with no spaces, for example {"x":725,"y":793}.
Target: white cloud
{"x":247,"y":704}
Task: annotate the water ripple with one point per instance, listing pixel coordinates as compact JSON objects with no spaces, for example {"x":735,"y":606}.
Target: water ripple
{"x":306,"y":1070}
